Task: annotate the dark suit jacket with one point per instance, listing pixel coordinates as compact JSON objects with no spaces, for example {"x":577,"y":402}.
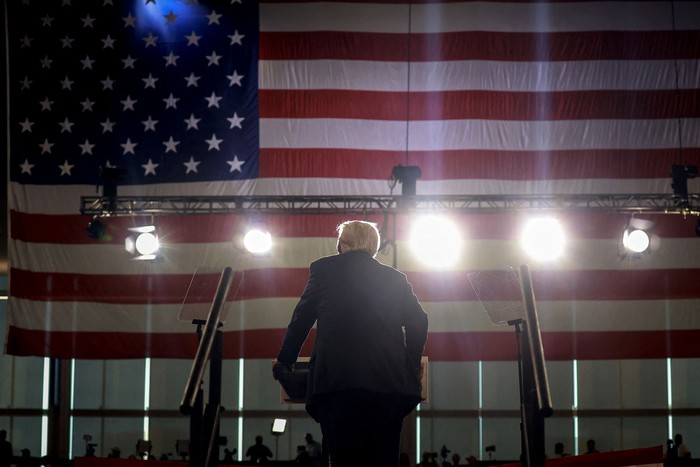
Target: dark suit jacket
{"x":370,"y":330}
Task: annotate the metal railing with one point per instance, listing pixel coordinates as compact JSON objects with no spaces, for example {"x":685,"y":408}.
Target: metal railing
{"x":204,"y":422}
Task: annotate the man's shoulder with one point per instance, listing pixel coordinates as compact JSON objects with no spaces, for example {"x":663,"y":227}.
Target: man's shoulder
{"x":324,"y":262}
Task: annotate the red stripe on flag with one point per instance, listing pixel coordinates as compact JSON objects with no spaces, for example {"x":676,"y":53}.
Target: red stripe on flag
{"x":457,"y":346}
{"x":480,"y":45}
{"x":650,"y":284}
{"x":479,"y":104}
{"x":101,"y":345}
{"x":475,"y":164}
{"x":173,"y":229}
{"x":442,"y":346}
{"x":145,"y":288}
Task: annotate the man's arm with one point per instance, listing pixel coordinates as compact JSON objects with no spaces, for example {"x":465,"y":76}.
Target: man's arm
{"x":416,"y":326}
{"x":302,"y":321}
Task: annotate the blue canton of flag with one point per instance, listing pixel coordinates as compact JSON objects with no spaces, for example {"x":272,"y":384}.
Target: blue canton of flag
{"x":164,"y":90}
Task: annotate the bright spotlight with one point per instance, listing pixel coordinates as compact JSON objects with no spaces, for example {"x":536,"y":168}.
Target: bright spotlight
{"x":143,"y":244}
{"x":543,"y":239}
{"x":436,"y":241}
{"x":635,"y":240}
{"x":257,"y":241}
{"x":638,"y":237}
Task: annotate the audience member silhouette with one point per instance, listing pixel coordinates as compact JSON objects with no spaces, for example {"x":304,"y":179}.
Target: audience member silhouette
{"x":228,"y":456}
{"x":428,"y":460}
{"x":443,"y":453}
{"x":314,"y":450}
{"x":25,"y":459}
{"x":302,"y":458}
{"x":670,"y":450}
{"x":259,"y":453}
{"x":404,"y":460}
{"x":5,"y":450}
{"x":559,"y":450}
{"x":682,"y":450}
{"x":590,"y":447}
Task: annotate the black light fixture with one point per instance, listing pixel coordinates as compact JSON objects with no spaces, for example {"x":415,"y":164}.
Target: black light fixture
{"x":406,"y":175}
{"x":96,"y":229}
{"x":110,"y":177}
{"x":679,"y":179}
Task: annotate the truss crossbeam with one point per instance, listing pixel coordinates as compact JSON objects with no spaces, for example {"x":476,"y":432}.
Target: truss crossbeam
{"x":164,"y":205}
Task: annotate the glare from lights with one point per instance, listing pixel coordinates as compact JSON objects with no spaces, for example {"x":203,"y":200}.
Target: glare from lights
{"x":543,"y":239}
{"x":143,"y":243}
{"x":257,"y":241}
{"x":636,"y":240}
{"x":147,"y":243}
{"x":436,"y":241}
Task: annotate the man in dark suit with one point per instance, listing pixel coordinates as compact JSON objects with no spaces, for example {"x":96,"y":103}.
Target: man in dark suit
{"x":365,"y":368}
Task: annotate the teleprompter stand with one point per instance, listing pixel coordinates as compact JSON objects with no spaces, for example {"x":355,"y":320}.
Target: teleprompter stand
{"x":205,"y":421}
{"x":510,"y":301}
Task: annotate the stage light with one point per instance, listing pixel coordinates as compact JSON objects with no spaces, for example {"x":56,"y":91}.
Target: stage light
{"x":143,"y":244}
{"x":679,"y":179}
{"x":406,"y":175}
{"x":436,"y":241}
{"x":635,"y":240}
{"x":96,"y":229}
{"x":257,"y":241}
{"x":638,"y":238}
{"x":543,"y":239}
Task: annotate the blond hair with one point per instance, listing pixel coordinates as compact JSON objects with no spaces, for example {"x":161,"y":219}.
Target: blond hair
{"x":359,"y":236}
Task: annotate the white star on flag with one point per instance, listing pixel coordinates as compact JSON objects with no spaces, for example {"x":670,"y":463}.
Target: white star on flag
{"x":66,"y":168}
{"x":150,"y":167}
{"x":149,"y":124}
{"x":214,"y":143}
{"x":235,"y":121}
{"x":235,"y":78}
{"x":26,"y":167}
{"x":236,"y":38}
{"x":170,"y":145}
{"x":86,"y":147}
{"x":129,"y":146}
{"x":191,"y":165}
{"x":46,"y":146}
{"x":213,"y":100}
{"x":235,"y":164}
{"x":129,"y":103}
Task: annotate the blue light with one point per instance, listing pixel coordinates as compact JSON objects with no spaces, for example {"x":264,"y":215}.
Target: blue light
{"x":170,"y":20}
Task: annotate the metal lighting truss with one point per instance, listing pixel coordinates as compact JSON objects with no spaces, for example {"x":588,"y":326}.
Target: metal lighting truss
{"x":382,"y":204}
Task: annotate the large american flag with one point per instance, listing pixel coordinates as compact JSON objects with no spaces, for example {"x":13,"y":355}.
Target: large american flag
{"x":324,"y":98}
